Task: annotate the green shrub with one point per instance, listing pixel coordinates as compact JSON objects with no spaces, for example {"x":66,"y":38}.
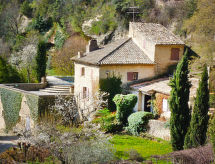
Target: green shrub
{"x":125,"y":105}
{"x":138,"y":121}
{"x":8,"y":74}
{"x":26,"y":9}
{"x":111,"y":85}
{"x":18,"y":42}
{"x":41,"y":24}
{"x":107,"y":121}
{"x":59,"y":39}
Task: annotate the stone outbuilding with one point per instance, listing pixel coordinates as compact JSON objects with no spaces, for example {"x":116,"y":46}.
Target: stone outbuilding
{"x":155,"y":94}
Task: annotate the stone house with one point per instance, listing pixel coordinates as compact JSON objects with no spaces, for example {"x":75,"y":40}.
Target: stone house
{"x":148,"y":51}
{"x":156,"y":93}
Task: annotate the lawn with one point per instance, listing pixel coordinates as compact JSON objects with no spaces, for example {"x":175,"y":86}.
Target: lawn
{"x":145,"y":147}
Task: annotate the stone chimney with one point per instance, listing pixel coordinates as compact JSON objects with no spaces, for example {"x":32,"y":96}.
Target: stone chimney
{"x":92,"y":46}
{"x":80,"y":55}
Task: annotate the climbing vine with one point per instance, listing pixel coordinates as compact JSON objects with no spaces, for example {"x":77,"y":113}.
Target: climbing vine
{"x":11,"y":102}
{"x":33,"y":103}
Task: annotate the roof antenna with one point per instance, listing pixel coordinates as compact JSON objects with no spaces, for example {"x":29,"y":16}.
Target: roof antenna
{"x":133,"y":10}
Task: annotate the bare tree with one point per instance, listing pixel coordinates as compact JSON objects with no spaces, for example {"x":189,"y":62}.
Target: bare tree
{"x":10,"y":19}
{"x":62,"y":59}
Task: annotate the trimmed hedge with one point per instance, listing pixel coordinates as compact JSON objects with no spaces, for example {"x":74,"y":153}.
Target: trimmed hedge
{"x":125,"y":105}
{"x":138,"y":122}
{"x":11,"y":102}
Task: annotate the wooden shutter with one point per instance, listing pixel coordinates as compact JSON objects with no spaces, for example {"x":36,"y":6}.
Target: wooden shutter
{"x":84,"y":92}
{"x":82,"y":71}
{"x":129,"y":76}
{"x":175,"y":53}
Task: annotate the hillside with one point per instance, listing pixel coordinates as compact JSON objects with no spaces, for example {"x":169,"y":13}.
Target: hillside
{"x":68,"y":25}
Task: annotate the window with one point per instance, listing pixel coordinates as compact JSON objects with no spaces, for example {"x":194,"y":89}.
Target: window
{"x":107,"y":73}
{"x":165,"y":105}
{"x":131,"y":76}
{"x":84,"y":92}
{"x":175,"y":53}
{"x":82,"y":71}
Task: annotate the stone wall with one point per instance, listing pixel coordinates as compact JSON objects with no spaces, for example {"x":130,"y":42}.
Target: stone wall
{"x":28,"y":86}
{"x":19,"y":117}
{"x":157,"y":128}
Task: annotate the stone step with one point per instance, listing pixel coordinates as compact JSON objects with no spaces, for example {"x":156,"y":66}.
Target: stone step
{"x":59,"y":86}
{"x":58,"y":89}
{"x":54,"y":91}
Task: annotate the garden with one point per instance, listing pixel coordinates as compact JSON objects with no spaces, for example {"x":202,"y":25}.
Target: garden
{"x":109,"y":137}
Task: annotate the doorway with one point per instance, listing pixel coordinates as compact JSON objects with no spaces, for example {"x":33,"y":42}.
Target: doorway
{"x":147,"y":103}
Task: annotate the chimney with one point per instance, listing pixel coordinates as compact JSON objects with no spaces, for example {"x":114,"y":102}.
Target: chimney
{"x":92,"y":46}
{"x":80,"y":55}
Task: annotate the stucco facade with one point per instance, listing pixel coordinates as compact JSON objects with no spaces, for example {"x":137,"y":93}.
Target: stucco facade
{"x":90,"y":79}
{"x":163,"y":57}
{"x":146,"y":45}
{"x":144,"y":71}
{"x":93,"y":74}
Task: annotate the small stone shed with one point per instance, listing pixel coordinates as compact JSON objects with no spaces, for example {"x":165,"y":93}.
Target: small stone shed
{"x":156,"y":93}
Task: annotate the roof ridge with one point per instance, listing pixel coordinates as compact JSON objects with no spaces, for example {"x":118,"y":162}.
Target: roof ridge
{"x":99,"y":62}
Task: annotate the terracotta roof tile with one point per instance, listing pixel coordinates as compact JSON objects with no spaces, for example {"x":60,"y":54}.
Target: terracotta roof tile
{"x":128,"y":53}
{"x":123,"y":51}
{"x":157,"y":33}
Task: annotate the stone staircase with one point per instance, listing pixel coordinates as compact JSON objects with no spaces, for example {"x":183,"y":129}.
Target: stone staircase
{"x":59,"y":89}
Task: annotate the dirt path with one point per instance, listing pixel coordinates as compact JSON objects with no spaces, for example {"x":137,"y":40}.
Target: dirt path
{"x":7,"y":141}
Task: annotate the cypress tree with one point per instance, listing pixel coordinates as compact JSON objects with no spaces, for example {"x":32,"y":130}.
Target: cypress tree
{"x":179,"y":97}
{"x":41,"y":60}
{"x":199,"y":121}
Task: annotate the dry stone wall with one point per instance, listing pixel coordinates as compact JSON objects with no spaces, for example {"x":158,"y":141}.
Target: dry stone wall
{"x":157,"y":128}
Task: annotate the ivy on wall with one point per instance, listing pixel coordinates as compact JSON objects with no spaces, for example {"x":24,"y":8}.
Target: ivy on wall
{"x":159,"y":102}
{"x":11,"y":102}
{"x":33,"y":104}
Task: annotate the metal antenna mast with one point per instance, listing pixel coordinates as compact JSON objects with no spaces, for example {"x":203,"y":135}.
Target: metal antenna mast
{"x":133,"y":10}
